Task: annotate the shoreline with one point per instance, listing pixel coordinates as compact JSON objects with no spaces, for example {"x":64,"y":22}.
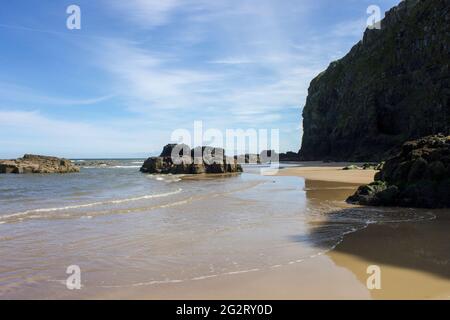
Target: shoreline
{"x":408,"y":270}
{"x":414,"y":257}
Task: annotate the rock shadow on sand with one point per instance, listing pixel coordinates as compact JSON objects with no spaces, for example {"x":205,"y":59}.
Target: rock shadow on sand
{"x":420,"y":243}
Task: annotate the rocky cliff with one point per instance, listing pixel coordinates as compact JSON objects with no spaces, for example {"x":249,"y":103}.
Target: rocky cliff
{"x":391,"y":87}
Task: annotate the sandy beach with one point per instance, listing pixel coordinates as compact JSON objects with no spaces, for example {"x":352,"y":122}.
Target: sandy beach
{"x":413,"y":257}
{"x":331,"y":172}
{"x":290,"y":236}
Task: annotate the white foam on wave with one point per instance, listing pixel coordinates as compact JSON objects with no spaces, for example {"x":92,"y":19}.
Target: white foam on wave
{"x":87,"y":205}
{"x":166,"y":177}
{"x":105,"y":166}
{"x":126,"y":167}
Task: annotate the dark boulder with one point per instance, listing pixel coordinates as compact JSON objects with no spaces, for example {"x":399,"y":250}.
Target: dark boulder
{"x":419,"y":176}
{"x":180,"y":150}
{"x":289,"y":156}
{"x":180,"y":159}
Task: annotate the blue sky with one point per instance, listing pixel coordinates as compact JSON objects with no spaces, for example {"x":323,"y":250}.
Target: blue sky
{"x":139,"y":69}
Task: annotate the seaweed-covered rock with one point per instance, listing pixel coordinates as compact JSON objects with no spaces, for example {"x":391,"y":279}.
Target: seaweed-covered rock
{"x":180,"y":159}
{"x":365,"y":166}
{"x":419,"y":176}
{"x":31,"y":163}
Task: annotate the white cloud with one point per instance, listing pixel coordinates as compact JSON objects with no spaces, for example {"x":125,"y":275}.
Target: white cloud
{"x":145,"y":13}
{"x":21,"y":94}
{"x":232,"y":61}
{"x":33,"y":132}
{"x":151,"y":82}
{"x":253,"y":37}
{"x":148,"y":80}
{"x":258,"y":78}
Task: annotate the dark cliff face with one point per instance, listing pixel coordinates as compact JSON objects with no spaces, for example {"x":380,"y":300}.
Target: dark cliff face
{"x":391,"y":87}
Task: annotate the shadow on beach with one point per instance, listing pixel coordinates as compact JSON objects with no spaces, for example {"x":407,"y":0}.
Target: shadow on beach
{"x":422,"y":245}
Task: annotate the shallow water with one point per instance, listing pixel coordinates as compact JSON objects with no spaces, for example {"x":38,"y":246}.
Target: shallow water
{"x":125,"y":229}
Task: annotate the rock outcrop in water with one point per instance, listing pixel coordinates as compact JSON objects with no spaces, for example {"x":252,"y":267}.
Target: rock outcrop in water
{"x":419,"y":176}
{"x":393,"y":86}
{"x":37,"y":164}
{"x":180,"y":159}
{"x":248,"y":158}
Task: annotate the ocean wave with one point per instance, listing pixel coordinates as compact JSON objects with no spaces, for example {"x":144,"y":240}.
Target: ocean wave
{"x":165,"y":177}
{"x":41,"y":213}
{"x":87,"y":205}
{"x":125,"y":167}
{"x":105,"y":166}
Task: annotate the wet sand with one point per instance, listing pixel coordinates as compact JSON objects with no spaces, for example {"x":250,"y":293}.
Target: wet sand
{"x":414,"y":257}
{"x":271,"y":229}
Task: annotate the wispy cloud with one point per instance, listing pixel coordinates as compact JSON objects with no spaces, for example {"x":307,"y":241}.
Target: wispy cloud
{"x":145,"y":13}
{"x":34,"y":132}
{"x":232,"y":61}
{"x":21,"y":94}
{"x":149,"y":81}
{"x":143,"y":68}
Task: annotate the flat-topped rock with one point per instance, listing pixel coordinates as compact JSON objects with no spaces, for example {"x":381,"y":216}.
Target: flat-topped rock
{"x":180,"y":159}
{"x":30,"y":163}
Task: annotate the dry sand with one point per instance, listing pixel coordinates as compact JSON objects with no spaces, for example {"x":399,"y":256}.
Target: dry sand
{"x":331,"y":172}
